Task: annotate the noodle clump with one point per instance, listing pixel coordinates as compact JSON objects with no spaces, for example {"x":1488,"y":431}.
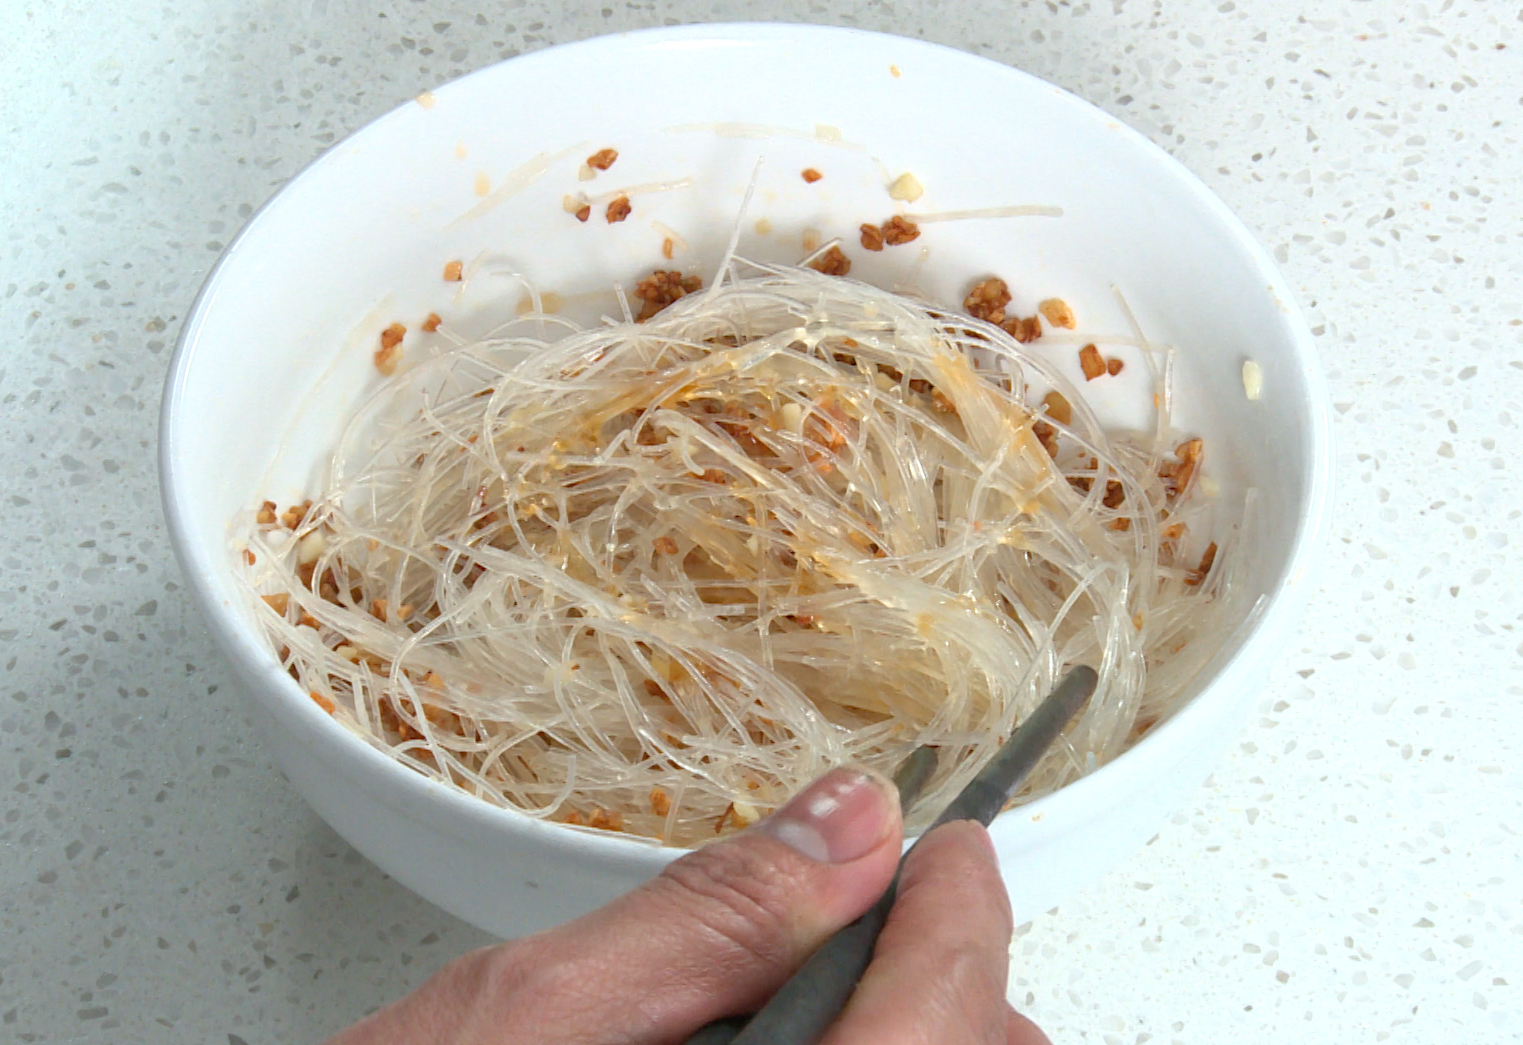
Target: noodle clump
{"x":657,"y":576}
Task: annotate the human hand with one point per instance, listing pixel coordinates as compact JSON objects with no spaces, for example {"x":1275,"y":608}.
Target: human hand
{"x":720,"y":930}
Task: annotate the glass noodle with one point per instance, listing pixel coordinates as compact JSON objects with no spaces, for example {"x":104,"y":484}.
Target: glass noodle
{"x":657,"y":576}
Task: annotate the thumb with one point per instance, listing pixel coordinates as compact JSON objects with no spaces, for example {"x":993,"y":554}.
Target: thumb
{"x":724,"y":926}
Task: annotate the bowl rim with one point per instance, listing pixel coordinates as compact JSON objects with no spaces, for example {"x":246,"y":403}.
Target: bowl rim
{"x":1079,"y":802}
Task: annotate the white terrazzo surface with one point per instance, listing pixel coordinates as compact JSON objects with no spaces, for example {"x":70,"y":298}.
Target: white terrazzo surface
{"x":1352,"y":872}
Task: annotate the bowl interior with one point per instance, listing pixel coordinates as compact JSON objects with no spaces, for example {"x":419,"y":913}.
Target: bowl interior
{"x":278,"y":349}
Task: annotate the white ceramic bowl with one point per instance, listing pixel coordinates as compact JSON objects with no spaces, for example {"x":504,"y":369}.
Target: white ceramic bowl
{"x":278,"y":345}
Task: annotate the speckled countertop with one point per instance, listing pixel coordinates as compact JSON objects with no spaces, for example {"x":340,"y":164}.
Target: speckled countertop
{"x":1351,"y":873}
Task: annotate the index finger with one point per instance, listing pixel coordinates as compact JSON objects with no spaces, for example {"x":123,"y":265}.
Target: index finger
{"x":939,"y":971}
